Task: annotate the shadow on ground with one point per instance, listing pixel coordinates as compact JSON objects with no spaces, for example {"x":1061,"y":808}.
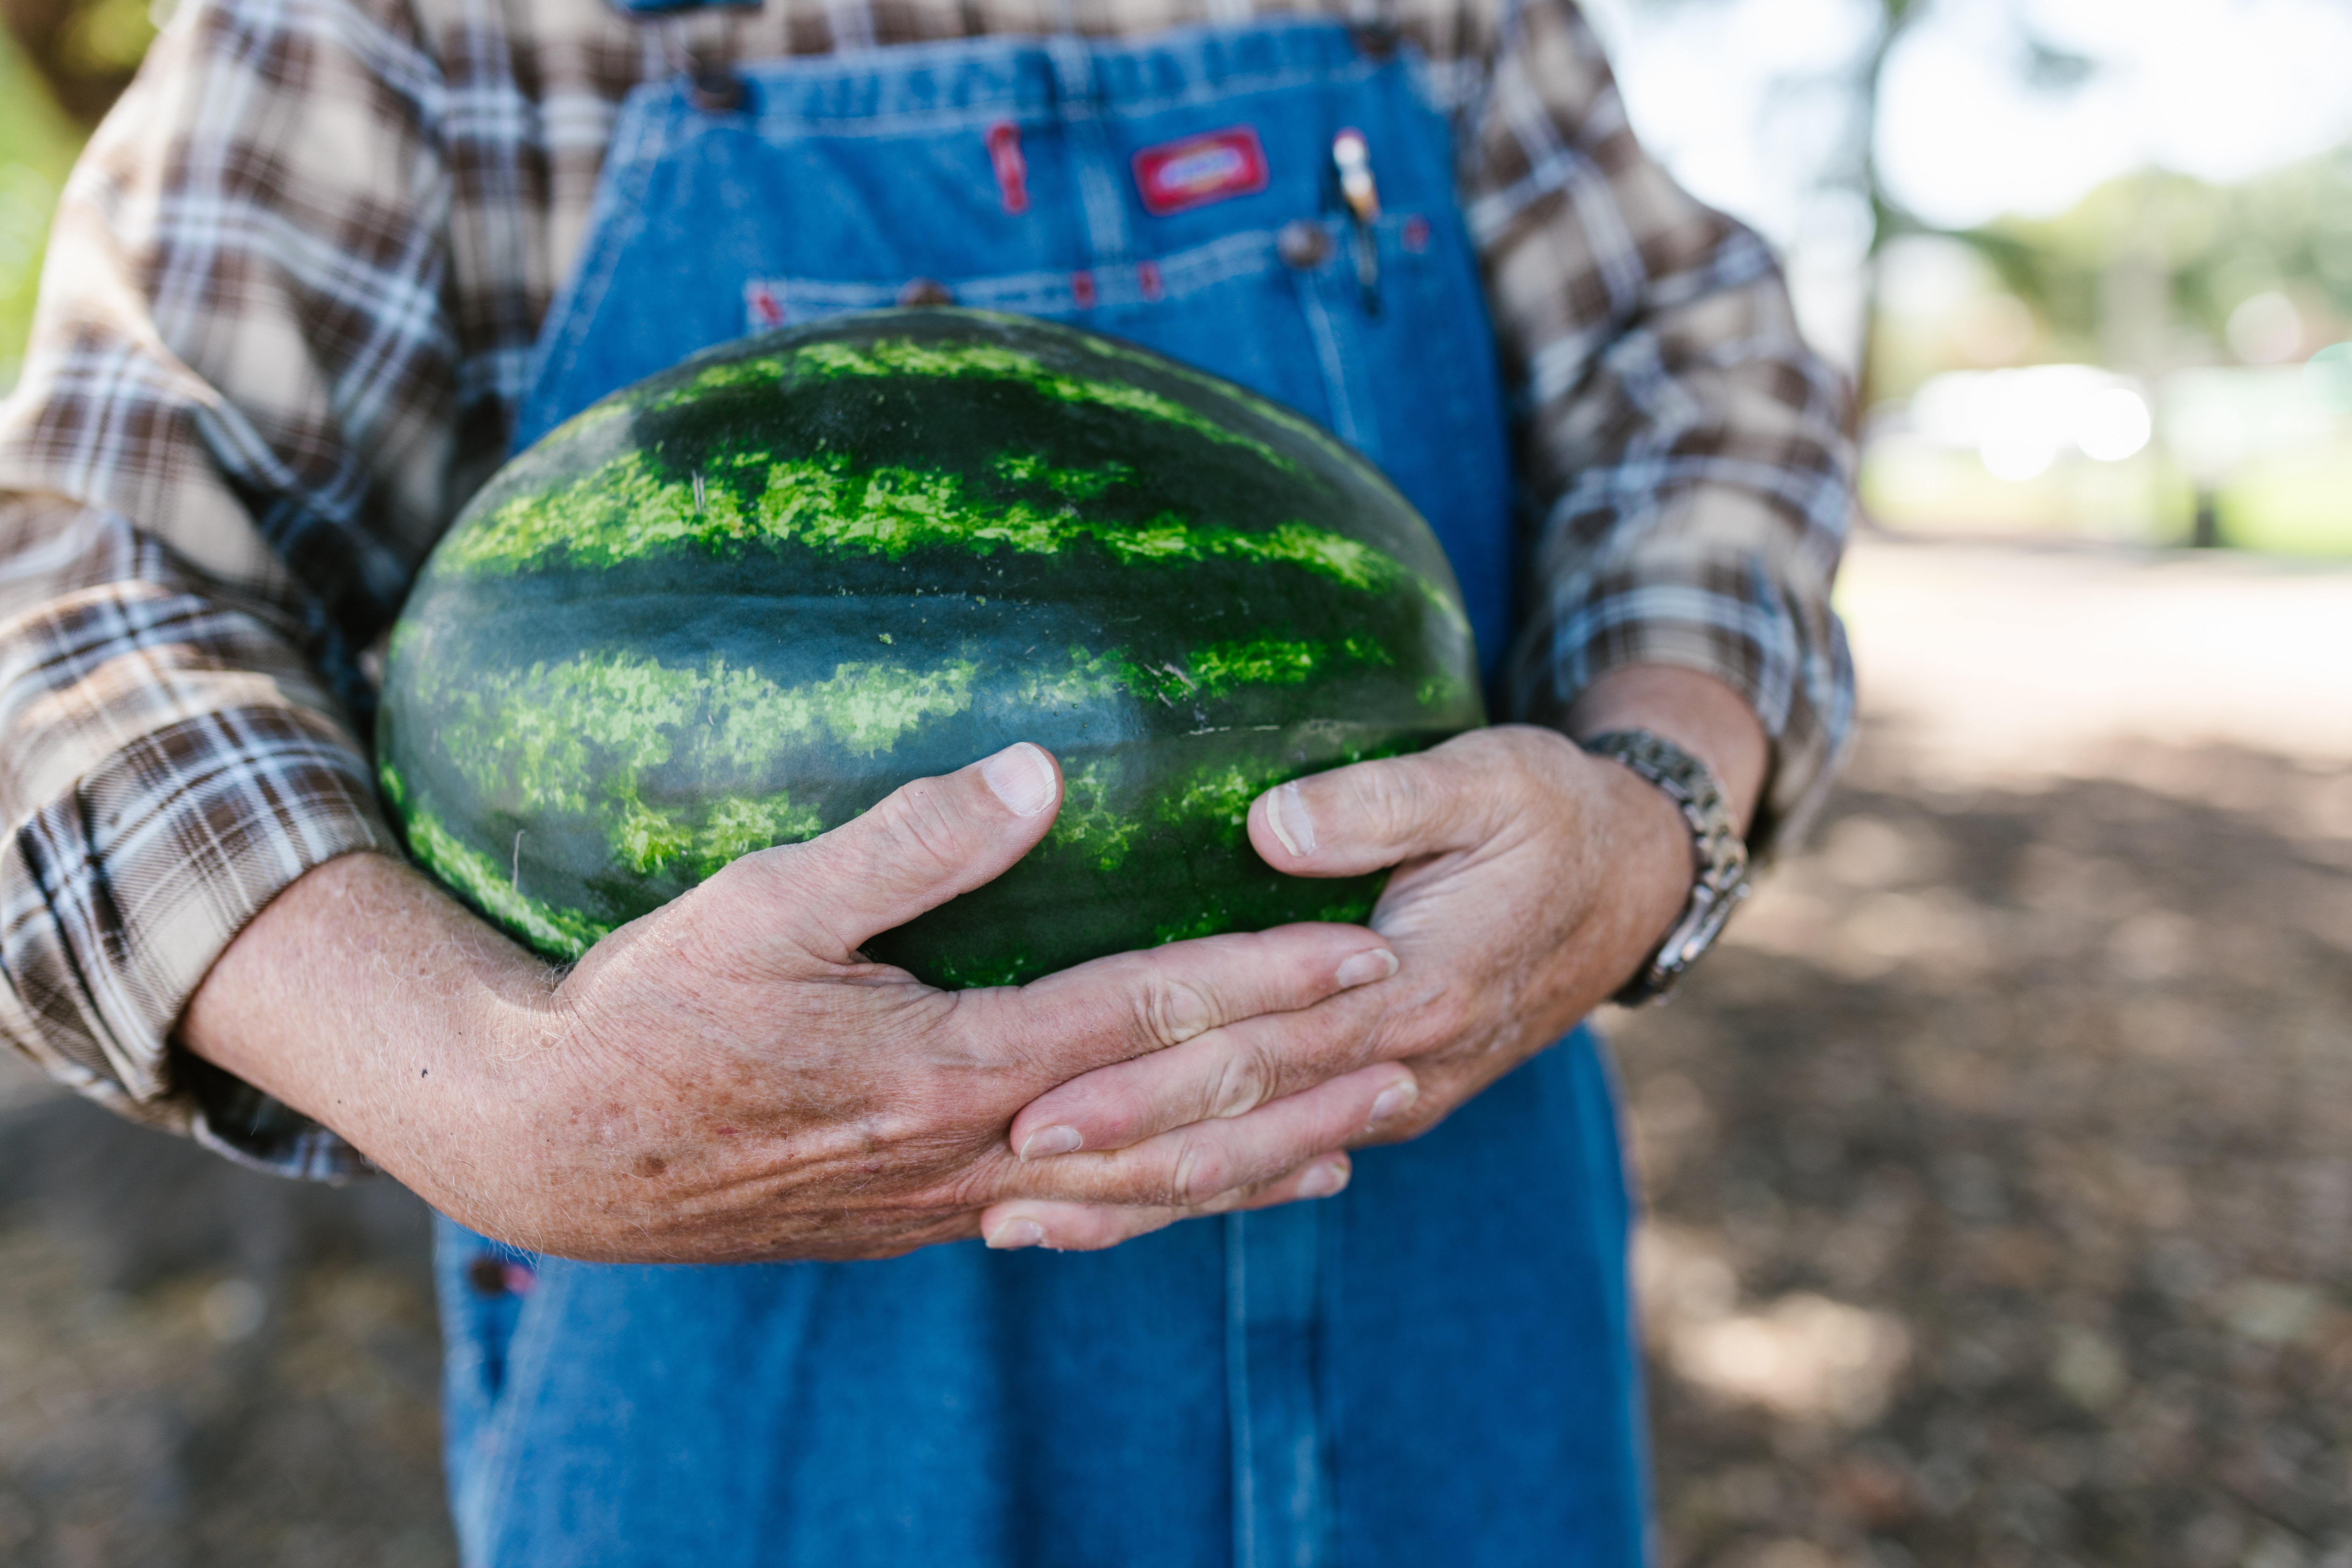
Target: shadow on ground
{"x":2001,"y":1183}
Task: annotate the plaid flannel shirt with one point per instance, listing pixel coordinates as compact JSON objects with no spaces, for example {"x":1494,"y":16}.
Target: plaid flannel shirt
{"x":288,"y":310}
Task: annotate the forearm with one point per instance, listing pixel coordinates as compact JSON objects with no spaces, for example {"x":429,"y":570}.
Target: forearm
{"x":368,"y":999}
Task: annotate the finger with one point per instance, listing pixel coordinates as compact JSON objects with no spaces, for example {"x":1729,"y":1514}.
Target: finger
{"x":925,"y":843}
{"x":1361,"y":818}
{"x":1090,"y":1227}
{"x":1193,"y":1164}
{"x":1131,"y":1003}
{"x":1226,"y":1072}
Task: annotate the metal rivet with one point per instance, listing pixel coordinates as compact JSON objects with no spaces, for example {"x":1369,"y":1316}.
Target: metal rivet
{"x":1302,"y":242}
{"x":488,"y":1276}
{"x":714,"y":89}
{"x":926,"y":292}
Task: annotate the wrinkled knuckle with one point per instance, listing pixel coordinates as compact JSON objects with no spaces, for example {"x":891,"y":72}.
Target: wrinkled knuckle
{"x":1391,"y":796}
{"x":1200,"y":1173}
{"x":974,"y":1186}
{"x":1243,"y":1082}
{"x":1174,"y":1011}
{"x":921,"y":830}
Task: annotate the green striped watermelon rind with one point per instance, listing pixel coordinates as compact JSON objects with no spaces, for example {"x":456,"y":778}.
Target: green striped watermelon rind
{"x":735,"y":605}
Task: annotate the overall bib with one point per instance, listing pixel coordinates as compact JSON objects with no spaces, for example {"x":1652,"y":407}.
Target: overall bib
{"x":1434,"y":1367}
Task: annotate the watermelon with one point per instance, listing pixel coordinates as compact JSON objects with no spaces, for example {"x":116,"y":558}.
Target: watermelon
{"x":738,"y":603}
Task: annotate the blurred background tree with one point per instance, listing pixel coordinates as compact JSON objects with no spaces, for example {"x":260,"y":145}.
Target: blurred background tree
{"x":62,"y":64}
{"x":2255,"y":271}
{"x":2091,"y":265}
{"x":83,"y":50}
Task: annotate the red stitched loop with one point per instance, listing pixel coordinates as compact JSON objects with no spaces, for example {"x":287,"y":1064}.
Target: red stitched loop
{"x":1011,"y":168}
{"x":1147,"y":278}
{"x":1082,"y":290}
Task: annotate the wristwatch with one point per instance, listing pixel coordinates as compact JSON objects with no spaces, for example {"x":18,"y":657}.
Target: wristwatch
{"x":1722,"y":855}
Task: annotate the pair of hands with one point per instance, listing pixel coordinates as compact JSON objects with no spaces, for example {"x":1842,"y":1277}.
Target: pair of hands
{"x":729,"y":1079}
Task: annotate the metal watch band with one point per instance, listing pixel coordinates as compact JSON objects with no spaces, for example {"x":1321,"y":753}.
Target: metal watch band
{"x":1722,"y":855}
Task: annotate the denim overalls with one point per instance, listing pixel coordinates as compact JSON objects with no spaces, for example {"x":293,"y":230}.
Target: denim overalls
{"x":1435,"y":1367}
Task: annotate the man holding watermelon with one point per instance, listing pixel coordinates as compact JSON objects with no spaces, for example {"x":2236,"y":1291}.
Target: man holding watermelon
{"x":325,"y":262}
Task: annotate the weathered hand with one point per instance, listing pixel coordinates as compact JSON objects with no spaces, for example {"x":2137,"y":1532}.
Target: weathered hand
{"x":1531,"y":880}
{"x":728,"y":1078}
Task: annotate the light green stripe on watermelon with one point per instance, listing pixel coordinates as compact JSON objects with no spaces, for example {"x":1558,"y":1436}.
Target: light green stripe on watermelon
{"x":1221,"y":669}
{"x":1275,"y":661}
{"x":556,"y":731}
{"x":894,"y":358}
{"x":629,"y":508}
{"x":1222,"y":791}
{"x":903,"y":358}
{"x":555,"y":736}
{"x":1078,"y":484}
{"x":1216,"y":792}
{"x":579,"y":736}
{"x":759,"y":370}
{"x":1087,"y":823}
{"x":489,"y":886}
{"x":648,"y":839}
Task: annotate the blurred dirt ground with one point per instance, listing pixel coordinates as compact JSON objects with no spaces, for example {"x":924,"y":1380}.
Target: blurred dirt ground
{"x":2000,"y":1185}
{"x":201,"y":1366}
{"x":1999,"y":1170}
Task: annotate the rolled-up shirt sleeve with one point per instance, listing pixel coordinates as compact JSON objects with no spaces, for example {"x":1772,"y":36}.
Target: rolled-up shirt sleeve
{"x":233,"y":437}
{"x":170,"y":764}
{"x":1684,"y":460}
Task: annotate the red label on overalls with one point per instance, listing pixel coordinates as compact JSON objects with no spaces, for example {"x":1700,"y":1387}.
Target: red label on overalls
{"x":1199,"y":169}
{"x":1011,"y":169}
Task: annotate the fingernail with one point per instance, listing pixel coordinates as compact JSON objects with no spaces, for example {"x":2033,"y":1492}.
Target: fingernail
{"x":1378,"y":963}
{"x":1051,"y":1140}
{"x":1394,"y":1100}
{"x":1021,"y":777}
{"x":1324,"y":1179}
{"x":1016,"y":1234}
{"x":1285,"y":813}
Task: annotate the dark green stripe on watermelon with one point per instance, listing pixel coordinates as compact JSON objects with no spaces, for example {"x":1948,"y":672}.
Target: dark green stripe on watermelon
{"x":739,"y":603}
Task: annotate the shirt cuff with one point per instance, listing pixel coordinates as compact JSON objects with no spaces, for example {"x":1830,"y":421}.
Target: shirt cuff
{"x":121,"y":893}
{"x":169,"y":765}
{"x":1747,"y":613}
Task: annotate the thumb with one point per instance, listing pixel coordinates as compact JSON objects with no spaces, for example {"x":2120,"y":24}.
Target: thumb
{"x":1361,"y":818}
{"x":925,"y":843}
